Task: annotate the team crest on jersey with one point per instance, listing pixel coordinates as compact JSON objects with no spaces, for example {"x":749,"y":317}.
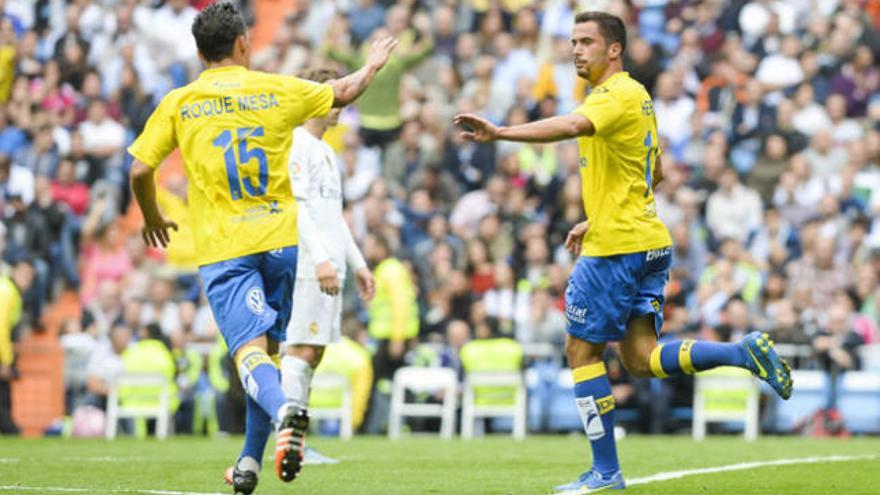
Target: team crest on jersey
{"x":255,"y":301}
{"x":313,"y":328}
{"x":583,"y":162}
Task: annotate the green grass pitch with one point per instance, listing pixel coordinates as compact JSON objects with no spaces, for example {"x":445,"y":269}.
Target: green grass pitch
{"x":426,"y":465}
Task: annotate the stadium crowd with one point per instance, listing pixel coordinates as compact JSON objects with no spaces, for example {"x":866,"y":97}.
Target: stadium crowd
{"x":769,"y":114}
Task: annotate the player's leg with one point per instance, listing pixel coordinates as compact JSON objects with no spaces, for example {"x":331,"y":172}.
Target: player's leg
{"x":593,"y":314}
{"x":643,"y":357}
{"x":314,"y":325}
{"x":297,"y":368}
{"x":236,"y":293}
{"x":279,"y":273}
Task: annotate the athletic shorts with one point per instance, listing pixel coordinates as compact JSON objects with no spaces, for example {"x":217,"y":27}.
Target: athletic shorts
{"x":252,"y":295}
{"x":605,"y":292}
{"x":318,"y":317}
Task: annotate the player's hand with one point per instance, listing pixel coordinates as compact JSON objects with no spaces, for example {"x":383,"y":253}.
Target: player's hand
{"x":155,"y":232}
{"x":380,"y":52}
{"x":5,"y":372}
{"x":575,"y":236}
{"x":327,"y":278}
{"x":476,"y":128}
{"x":365,"y":283}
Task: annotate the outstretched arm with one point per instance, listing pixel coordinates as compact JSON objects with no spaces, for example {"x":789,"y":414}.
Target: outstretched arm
{"x":350,"y":87}
{"x":543,"y":131}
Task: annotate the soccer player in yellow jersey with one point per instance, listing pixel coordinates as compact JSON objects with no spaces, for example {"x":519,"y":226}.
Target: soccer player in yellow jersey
{"x":615,"y":292}
{"x":234,"y":129}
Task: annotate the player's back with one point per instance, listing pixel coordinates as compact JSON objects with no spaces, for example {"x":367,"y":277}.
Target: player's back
{"x":617,"y":166}
{"x":233,"y":127}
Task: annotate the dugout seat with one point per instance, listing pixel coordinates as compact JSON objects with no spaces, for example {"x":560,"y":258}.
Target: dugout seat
{"x":139,"y":396}
{"x":421,"y":380}
{"x":492,"y":394}
{"x":331,"y":398}
{"x":726,"y":394}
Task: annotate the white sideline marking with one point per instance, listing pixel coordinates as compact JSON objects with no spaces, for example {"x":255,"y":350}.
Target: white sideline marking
{"x":9,"y":460}
{"x":671,"y":475}
{"x":102,"y":490}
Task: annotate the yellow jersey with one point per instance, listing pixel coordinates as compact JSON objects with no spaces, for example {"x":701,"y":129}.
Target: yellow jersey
{"x":617,"y":164}
{"x":234,"y":129}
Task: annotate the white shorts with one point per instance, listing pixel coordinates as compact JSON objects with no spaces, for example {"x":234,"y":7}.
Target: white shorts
{"x":316,"y":318}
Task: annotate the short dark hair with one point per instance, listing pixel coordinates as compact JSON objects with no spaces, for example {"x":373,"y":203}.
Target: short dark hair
{"x":216,"y":28}
{"x":319,"y":75}
{"x":611,"y":26}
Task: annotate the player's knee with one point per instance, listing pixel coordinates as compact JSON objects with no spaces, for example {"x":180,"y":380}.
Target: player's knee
{"x":638,"y":365}
{"x":308,"y":353}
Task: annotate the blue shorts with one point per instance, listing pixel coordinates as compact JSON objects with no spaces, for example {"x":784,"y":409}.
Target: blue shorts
{"x":604,"y":293}
{"x":252,"y":295}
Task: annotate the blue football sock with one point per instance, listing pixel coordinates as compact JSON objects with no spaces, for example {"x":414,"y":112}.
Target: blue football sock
{"x":258,"y":426}
{"x":689,"y":356}
{"x":596,"y":406}
{"x":261,"y":380}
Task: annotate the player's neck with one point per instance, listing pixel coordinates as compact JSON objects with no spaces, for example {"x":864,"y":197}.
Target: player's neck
{"x":226,"y":62}
{"x":612,"y":69}
{"x":315,"y":128}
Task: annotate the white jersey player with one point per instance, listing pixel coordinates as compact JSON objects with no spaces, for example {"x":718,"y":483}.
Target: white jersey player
{"x":326,"y":249}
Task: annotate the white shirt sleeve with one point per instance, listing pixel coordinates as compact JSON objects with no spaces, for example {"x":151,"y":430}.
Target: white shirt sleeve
{"x":302,"y":171}
{"x":353,"y":255}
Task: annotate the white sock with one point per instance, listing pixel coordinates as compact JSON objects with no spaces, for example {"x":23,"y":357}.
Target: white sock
{"x":296,"y":379}
{"x":248,"y":464}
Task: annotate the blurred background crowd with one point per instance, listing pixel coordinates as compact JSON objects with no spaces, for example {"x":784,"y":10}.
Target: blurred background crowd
{"x":769,"y":114}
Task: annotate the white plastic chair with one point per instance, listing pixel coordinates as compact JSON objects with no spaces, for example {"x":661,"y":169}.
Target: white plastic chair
{"x":161,"y":412}
{"x":726,"y":394}
{"x":334,"y":382}
{"x":471,"y":411}
{"x":418,"y":379}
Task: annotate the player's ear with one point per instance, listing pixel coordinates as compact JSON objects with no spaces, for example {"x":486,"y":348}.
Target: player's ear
{"x":615,"y":50}
{"x":243,"y":45}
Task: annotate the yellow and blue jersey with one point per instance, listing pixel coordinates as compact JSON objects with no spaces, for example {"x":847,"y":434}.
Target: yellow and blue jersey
{"x":233,"y":127}
{"x":617,"y":164}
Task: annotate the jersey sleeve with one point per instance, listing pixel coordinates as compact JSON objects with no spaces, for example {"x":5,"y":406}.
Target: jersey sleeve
{"x":158,"y":138}
{"x":309,"y":99}
{"x":603,"y":110}
{"x":302,"y":179}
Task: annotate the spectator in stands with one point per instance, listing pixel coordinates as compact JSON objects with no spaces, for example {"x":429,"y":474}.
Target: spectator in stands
{"x":79,"y":347}
{"x":734,"y":210}
{"x":458,"y":334}
{"x":12,"y":289}
{"x":106,"y":365}
{"x":105,"y":310}
{"x":379,"y":106}
{"x":836,"y":344}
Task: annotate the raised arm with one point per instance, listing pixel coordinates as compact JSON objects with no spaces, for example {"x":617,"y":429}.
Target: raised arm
{"x":347,"y":89}
{"x":543,"y":131}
